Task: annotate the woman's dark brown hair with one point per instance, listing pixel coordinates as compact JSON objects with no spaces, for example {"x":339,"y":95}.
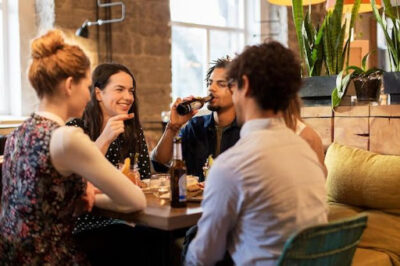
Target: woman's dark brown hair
{"x":54,"y":60}
{"x":293,"y":113}
{"x":93,"y":116}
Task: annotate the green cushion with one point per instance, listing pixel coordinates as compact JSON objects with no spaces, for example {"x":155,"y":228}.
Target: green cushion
{"x":362,"y":178}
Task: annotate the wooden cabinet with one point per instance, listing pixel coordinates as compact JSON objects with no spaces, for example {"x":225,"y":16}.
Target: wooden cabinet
{"x":321,"y":119}
{"x":351,"y":126}
{"x":374,"y":128}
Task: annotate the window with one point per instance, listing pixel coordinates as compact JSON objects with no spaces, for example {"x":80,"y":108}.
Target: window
{"x":3,"y":47}
{"x":10,"y":60}
{"x":16,"y":97}
{"x":203,"y":31}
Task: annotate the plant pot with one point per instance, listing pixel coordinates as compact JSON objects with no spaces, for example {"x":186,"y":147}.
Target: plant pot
{"x":391,"y":86}
{"x":317,"y":90}
{"x":367,"y":88}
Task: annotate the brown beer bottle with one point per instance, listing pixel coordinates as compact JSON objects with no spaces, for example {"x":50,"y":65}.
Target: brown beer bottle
{"x":178,"y":176}
{"x":194,"y":104}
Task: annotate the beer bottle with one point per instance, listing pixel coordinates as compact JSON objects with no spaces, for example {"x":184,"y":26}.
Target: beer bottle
{"x":178,"y":176}
{"x":196,"y":103}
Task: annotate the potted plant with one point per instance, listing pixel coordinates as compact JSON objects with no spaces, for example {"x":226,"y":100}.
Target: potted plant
{"x":391,"y":80}
{"x":322,"y":50}
{"x":367,"y":83}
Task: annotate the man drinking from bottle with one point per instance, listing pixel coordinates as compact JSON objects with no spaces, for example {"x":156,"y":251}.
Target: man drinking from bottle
{"x":204,"y":135}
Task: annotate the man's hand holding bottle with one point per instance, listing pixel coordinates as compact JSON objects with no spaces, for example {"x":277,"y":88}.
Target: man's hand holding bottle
{"x":176,"y":121}
{"x":184,"y":109}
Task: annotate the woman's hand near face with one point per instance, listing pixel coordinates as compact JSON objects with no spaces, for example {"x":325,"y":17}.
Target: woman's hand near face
{"x":114,"y":127}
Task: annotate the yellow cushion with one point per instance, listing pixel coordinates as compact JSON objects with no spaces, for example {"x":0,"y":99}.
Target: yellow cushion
{"x":362,"y":178}
{"x":369,"y":257}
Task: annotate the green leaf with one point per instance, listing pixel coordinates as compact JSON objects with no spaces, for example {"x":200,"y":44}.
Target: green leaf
{"x":335,"y":98}
{"x":355,"y":68}
{"x":389,"y":41}
{"x":345,"y":84}
{"x":339,"y":48}
{"x":339,"y":79}
{"x":354,"y":14}
{"x":389,"y":9}
{"x":364,"y":62}
{"x":297,"y":8}
{"x":340,"y":90}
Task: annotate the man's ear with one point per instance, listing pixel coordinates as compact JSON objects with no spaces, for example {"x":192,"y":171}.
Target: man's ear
{"x":68,"y":86}
{"x":98,"y":94}
{"x":246,"y":85}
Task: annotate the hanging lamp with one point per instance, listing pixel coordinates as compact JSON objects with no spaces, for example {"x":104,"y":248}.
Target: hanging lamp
{"x":348,"y":5}
{"x":289,"y":2}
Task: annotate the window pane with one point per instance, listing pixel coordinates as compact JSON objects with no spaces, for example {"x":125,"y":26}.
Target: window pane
{"x":224,"y":43}
{"x":3,"y":105}
{"x":224,"y":13}
{"x":188,"y":53}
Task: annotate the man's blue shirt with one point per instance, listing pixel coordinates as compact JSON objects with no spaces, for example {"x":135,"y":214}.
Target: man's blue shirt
{"x":199,"y":141}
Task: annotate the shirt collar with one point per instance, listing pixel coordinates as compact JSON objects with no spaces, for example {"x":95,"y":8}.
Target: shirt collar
{"x":51,"y":116}
{"x":210,"y":122}
{"x":259,"y":124}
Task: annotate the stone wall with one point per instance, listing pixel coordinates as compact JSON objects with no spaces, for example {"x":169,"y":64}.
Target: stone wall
{"x":141,"y":42}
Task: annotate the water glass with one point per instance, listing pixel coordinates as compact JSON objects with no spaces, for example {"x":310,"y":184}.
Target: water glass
{"x":160,"y":183}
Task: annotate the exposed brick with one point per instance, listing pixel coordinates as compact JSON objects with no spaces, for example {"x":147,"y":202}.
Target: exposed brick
{"x":157,"y":46}
{"x":82,"y":4}
{"x":141,"y":42}
{"x":152,"y":28}
{"x":157,"y":11}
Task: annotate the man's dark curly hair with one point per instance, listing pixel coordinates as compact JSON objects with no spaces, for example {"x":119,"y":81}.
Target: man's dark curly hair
{"x":273,"y":72}
{"x":219,"y":63}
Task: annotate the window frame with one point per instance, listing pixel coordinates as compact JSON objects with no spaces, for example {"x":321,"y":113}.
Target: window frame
{"x":4,"y":55}
{"x":241,"y":29}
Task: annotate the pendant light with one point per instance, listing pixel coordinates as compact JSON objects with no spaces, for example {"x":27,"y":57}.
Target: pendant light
{"x":365,"y":5}
{"x":289,"y":2}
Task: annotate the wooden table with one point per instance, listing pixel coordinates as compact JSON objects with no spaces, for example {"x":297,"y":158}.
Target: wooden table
{"x":159,"y":214}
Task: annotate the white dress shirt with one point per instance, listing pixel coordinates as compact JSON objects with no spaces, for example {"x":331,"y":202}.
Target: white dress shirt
{"x":259,"y":192}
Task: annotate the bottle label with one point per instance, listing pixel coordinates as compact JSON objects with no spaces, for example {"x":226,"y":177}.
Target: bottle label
{"x":182,"y":188}
{"x":196,"y":105}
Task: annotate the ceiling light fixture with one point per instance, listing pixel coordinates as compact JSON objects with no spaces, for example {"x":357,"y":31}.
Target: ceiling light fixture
{"x":83,"y":31}
{"x":289,"y":2}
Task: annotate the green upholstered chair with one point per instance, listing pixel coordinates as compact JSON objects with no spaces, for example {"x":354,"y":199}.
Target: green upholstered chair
{"x":327,"y":244}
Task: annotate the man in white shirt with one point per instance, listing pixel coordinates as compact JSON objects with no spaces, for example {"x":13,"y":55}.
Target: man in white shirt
{"x":270,"y":184}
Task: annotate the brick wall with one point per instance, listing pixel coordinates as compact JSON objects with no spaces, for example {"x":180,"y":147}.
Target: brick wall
{"x":141,"y":42}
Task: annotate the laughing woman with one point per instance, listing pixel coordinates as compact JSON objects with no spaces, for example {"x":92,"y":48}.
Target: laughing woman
{"x":111,"y":119}
{"x":44,"y":162}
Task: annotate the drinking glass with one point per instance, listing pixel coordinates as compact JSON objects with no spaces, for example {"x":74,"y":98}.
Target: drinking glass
{"x":133,"y":175}
{"x":159,"y":183}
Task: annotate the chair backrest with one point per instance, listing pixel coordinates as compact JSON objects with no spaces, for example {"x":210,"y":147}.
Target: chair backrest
{"x":328,"y":244}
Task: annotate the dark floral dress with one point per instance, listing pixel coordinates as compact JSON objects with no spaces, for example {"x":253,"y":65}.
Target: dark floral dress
{"x":37,"y":203}
{"x":88,"y":222}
